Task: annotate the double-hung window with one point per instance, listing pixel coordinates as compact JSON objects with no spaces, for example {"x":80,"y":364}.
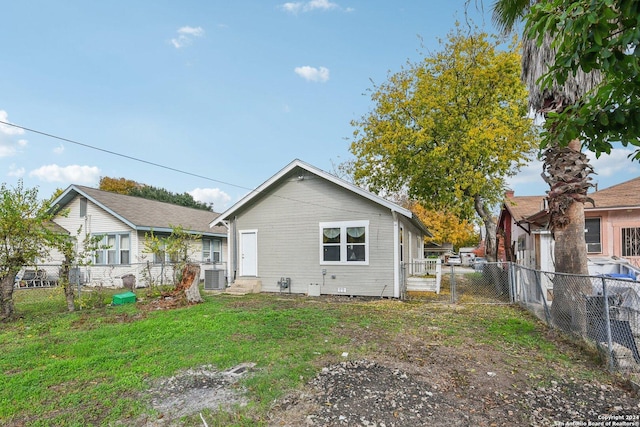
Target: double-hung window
{"x":592,"y":235}
{"x":160,"y":257}
{"x":211,"y":250}
{"x":344,"y":242}
{"x":163,"y":256}
{"x":114,"y":249}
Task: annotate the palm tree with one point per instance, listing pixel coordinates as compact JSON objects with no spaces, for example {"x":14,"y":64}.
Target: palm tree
{"x":565,"y":168}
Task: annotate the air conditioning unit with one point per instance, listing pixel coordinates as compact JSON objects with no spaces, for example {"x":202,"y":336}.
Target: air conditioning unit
{"x":594,"y":248}
{"x":214,"y":280}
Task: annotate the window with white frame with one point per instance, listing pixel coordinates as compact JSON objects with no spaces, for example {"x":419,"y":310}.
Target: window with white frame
{"x":592,"y":235}
{"x":160,"y":257}
{"x":114,"y":249}
{"x":211,"y":250}
{"x":344,"y":242}
{"x":631,"y":241}
{"x":164,"y":257}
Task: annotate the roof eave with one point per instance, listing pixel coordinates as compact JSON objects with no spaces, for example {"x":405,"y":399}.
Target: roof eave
{"x":331,"y":178}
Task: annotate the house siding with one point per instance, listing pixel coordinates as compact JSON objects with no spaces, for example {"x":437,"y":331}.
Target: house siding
{"x":287,"y":220}
{"x":611,"y":224}
{"x":99,"y":221}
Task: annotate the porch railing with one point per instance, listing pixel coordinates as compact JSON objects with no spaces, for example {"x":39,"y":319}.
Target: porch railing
{"x":423,"y":275}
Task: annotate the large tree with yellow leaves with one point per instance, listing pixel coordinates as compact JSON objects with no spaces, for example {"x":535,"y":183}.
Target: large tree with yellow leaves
{"x":448,"y":129}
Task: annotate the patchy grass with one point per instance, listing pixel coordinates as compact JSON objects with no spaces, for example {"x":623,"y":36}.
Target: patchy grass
{"x":93,"y":367}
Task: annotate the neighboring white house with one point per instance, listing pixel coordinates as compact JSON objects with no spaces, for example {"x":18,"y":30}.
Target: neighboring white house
{"x":522,"y":230}
{"x":123,"y":222}
{"x":307,"y":231}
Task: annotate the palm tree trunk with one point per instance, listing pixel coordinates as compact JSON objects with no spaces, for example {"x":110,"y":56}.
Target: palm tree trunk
{"x":568,"y":178}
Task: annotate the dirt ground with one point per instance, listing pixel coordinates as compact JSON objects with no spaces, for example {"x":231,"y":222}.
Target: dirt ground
{"x":450,"y":390}
{"x":410,"y":383}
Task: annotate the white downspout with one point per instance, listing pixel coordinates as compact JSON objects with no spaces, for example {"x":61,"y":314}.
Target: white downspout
{"x":226,"y":224}
{"x":396,"y":256}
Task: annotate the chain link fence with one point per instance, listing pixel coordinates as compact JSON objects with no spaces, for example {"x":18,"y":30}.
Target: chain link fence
{"x":602,"y":310}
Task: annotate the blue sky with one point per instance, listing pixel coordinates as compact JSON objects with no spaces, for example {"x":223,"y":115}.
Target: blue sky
{"x":229,"y":90}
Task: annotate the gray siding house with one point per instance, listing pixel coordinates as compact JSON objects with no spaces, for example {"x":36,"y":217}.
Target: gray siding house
{"x":306,"y":231}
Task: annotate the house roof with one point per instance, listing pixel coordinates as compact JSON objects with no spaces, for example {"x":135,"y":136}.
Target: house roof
{"x":58,"y":229}
{"x":282,"y":174}
{"x":623,"y":195}
{"x":522,"y":207}
{"x":144,"y":214}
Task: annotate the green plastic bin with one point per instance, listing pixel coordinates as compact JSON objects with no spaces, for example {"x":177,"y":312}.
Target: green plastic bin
{"x":125,"y":298}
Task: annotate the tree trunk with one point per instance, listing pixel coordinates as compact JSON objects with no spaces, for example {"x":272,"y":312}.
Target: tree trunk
{"x":65,"y":282}
{"x":568,"y":309}
{"x":6,"y":296}
{"x":490,"y":226}
{"x":568,"y":178}
{"x":570,"y":251}
{"x":189,"y":285}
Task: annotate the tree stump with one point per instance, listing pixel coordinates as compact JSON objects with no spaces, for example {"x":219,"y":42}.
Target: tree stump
{"x":189,"y":285}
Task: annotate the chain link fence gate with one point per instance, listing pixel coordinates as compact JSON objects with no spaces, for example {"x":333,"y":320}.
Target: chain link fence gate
{"x":488,"y":283}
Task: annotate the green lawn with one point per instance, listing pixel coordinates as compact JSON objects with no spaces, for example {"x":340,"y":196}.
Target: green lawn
{"x":93,"y":367}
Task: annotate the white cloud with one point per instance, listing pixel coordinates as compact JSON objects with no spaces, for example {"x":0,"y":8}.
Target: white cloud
{"x":6,"y":150}
{"x":59,"y":149}
{"x":219,"y":198}
{"x":291,"y":7}
{"x":313,"y":74}
{"x":191,"y":31}
{"x":615,"y":163}
{"x":8,"y":145}
{"x":309,"y":6}
{"x":16,"y":171}
{"x":75,"y":174}
{"x":186,"y":35}
{"x":530,"y":173}
{"x":610,"y":169}
{"x":6,"y":129}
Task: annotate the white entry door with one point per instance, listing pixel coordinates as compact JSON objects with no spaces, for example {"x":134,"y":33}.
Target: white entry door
{"x":249,"y":253}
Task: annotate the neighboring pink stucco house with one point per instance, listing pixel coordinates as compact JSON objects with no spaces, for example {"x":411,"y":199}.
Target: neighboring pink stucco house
{"x":612,"y":226}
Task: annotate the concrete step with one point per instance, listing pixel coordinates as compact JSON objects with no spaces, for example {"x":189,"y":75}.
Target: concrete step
{"x":243,"y":286}
{"x":422,"y":284}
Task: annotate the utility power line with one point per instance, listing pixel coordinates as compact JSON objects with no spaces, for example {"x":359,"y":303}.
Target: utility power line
{"x":137,"y":159}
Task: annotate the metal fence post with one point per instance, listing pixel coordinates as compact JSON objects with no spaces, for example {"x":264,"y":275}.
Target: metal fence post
{"x":512,"y":281}
{"x":547,"y":314}
{"x":453,"y":285}
{"x":607,"y":322}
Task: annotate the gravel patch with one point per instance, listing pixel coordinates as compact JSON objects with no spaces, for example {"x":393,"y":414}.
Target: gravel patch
{"x":193,"y":390}
{"x":368,"y":393}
